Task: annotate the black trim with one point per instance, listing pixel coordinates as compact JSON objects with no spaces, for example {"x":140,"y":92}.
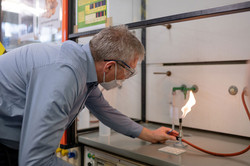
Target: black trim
{"x":82,"y":154}
{"x":71,"y":16}
{"x":88,"y":130}
{"x":83,"y":34}
{"x":236,"y":62}
{"x":143,"y":64}
{"x":217,"y":11}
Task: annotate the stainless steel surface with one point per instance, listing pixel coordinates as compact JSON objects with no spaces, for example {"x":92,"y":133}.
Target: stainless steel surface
{"x":148,"y":153}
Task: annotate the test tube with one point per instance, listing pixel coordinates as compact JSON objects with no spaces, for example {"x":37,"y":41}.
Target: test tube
{"x":172,"y":115}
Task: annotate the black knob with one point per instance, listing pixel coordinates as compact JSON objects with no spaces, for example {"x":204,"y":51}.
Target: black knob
{"x":89,"y":164}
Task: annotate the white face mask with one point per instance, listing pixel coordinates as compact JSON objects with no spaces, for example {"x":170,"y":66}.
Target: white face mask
{"x":112,"y":84}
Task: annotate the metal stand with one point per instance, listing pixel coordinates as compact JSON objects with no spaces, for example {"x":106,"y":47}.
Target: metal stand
{"x":180,"y":143}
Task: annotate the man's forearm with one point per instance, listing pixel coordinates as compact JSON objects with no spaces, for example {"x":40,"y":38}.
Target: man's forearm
{"x":146,"y":135}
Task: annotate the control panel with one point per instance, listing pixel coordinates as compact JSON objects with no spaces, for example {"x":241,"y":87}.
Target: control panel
{"x":95,"y":157}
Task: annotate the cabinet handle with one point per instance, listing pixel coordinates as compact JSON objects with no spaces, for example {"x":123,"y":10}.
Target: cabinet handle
{"x":168,"y":73}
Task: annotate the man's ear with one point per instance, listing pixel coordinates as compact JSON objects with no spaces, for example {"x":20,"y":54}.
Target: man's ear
{"x":109,"y":66}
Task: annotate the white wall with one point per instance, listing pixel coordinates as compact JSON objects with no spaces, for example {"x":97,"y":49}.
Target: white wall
{"x":123,"y":12}
{"x":127,"y":99}
{"x":211,"y":39}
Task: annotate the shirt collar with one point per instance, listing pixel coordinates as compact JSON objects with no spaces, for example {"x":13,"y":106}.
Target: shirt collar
{"x":91,"y":75}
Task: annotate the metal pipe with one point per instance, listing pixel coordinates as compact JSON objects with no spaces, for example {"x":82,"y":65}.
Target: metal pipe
{"x":184,"y":89}
{"x":143,"y":64}
{"x":179,"y":137}
{"x":180,"y":128}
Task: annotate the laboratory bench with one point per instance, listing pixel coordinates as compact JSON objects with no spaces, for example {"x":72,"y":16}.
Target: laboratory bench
{"x":148,"y":153}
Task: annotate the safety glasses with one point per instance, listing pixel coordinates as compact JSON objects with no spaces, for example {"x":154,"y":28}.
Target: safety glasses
{"x":130,"y":71}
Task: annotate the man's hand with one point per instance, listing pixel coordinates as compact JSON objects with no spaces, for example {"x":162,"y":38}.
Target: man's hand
{"x":157,"y":136}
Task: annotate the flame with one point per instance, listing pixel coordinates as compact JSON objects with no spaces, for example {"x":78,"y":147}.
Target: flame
{"x":190,"y":103}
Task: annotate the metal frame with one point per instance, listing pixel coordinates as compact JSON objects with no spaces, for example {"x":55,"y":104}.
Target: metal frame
{"x":212,"y":12}
{"x":143,"y":64}
{"x":234,"y":62}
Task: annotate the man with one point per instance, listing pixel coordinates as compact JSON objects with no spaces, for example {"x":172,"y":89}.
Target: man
{"x":43,"y":87}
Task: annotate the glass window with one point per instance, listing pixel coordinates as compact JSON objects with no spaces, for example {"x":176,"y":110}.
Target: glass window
{"x":30,"y":21}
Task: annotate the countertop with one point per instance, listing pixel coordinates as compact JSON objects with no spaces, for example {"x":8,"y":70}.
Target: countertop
{"x":148,"y":153}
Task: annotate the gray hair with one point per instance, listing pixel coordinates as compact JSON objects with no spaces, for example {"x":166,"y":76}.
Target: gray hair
{"x":116,"y":43}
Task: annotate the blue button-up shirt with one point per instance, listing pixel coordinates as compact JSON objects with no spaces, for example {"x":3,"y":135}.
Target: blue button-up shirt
{"x":42,"y":89}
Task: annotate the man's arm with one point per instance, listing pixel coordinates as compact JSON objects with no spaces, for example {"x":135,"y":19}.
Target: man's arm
{"x":121,"y":123}
{"x":110,"y":116}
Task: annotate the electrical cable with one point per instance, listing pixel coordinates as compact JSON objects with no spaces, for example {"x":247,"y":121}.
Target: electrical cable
{"x":244,"y":103}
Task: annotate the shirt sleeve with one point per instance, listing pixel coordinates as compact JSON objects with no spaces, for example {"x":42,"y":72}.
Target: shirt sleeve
{"x":110,"y":116}
{"x":51,"y":93}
